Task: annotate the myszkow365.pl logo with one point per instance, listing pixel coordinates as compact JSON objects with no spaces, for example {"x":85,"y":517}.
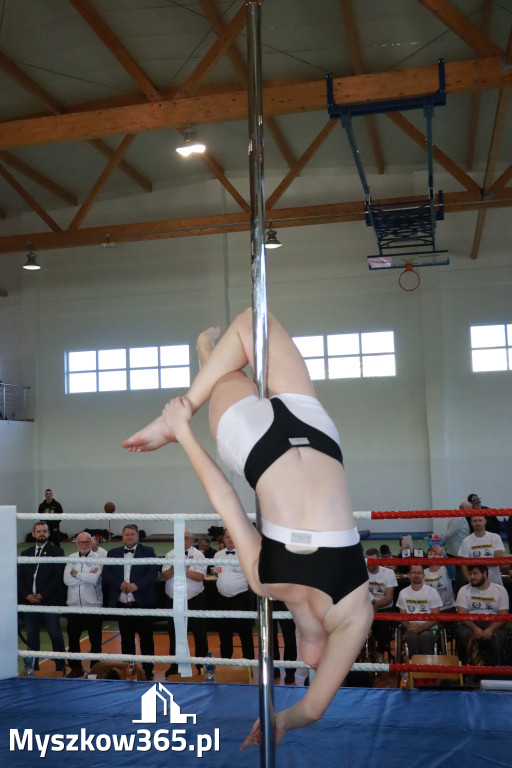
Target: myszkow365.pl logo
{"x":143,"y":740}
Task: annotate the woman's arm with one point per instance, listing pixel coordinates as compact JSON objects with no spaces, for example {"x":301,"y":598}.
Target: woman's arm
{"x":219,"y":490}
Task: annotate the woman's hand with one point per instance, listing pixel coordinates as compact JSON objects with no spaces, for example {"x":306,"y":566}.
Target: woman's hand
{"x":177,"y":415}
{"x":254,"y":737}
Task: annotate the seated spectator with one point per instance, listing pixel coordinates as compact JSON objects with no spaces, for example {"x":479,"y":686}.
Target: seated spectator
{"x":482,"y":544}
{"x":382,"y":583}
{"x":416,"y":599}
{"x":482,"y":639}
{"x":385,"y":551}
{"x":436,"y":576}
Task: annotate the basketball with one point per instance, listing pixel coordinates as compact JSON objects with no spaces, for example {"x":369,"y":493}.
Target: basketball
{"x":109,"y":507}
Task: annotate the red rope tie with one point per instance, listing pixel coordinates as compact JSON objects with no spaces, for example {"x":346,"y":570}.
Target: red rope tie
{"x":463,"y":669}
{"x":443,"y":617}
{"x":416,"y":513}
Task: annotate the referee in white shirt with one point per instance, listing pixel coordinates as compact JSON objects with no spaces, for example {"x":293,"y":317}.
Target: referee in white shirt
{"x":195,"y":575}
{"x":234,"y":595}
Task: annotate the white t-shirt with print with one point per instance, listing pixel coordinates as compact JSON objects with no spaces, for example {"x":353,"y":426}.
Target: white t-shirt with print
{"x":491,"y":600}
{"x":482,"y":547}
{"x":379,"y":582}
{"x":424,"y":600}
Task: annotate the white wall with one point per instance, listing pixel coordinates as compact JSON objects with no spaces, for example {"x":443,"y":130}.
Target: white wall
{"x":423,"y":439}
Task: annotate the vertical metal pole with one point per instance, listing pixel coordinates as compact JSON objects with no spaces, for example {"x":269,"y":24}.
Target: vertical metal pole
{"x":259,"y":321}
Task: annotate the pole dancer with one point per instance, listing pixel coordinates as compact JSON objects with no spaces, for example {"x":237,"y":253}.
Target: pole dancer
{"x":308,"y":553}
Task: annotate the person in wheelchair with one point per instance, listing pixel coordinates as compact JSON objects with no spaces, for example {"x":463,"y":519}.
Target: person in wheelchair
{"x":418,"y":598}
{"x":481,"y":641}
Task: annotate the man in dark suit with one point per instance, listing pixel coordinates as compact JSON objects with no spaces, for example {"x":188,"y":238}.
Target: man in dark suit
{"x":132,"y":586}
{"x":43,"y":584}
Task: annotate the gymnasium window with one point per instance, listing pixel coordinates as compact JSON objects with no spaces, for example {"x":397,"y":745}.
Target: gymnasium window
{"x":491,"y":348}
{"x":349,"y":355}
{"x":114,"y":370}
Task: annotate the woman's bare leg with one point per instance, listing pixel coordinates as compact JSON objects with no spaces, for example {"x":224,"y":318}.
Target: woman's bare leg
{"x":287,"y":371}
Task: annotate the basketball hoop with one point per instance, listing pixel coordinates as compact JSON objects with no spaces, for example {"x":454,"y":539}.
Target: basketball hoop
{"x":409,"y":279}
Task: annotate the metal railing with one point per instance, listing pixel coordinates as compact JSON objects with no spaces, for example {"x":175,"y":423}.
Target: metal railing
{"x":14,"y":402}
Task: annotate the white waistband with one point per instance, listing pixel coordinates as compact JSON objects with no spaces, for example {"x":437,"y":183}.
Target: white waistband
{"x":300,"y":537}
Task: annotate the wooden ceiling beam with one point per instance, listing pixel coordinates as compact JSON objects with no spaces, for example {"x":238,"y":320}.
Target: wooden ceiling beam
{"x":101,"y":182}
{"x":238,"y":63}
{"x":475,"y":107}
{"x":496,"y":138}
{"x":278,"y":98}
{"x":29,"y":85}
{"x":8,"y":159}
{"x":103,"y":148}
{"x":357,"y":62}
{"x":116,"y":48}
{"x":301,"y":162}
{"x":217,"y":171}
{"x":27,"y":197}
{"x":463,"y":28}
{"x":447,"y":163}
{"x":502,"y":181}
{"x":218,"y":49}
{"x":329,"y":213}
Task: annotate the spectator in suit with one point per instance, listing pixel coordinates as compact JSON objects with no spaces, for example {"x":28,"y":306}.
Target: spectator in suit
{"x":133,"y":586}
{"x":43,"y":584}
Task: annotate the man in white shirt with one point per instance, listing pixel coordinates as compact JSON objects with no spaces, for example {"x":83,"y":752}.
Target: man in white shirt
{"x":83,"y":580}
{"x":194,"y":575}
{"x":234,"y":595}
{"x":382,"y":583}
{"x":483,"y":597}
{"x":482,"y":544}
{"x":416,"y":599}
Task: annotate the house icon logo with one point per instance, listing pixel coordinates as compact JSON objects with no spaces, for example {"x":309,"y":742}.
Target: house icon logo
{"x":149,"y":706}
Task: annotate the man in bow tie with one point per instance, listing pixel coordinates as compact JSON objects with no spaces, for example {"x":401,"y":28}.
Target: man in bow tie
{"x":82,"y":581}
{"x":133,"y":586}
{"x":234,"y":595}
{"x":194,"y":575}
{"x":42,"y":584}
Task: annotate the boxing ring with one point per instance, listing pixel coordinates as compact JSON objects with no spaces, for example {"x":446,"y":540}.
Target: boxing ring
{"x":106,"y":723}
{"x":102,"y":722}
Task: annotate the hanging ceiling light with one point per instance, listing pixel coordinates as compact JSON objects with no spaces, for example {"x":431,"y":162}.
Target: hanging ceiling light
{"x":190,"y":144}
{"x":272,"y":241}
{"x":31,"y":259}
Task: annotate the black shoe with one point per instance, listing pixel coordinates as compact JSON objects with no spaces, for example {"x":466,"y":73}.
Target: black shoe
{"x":277,"y":672}
{"x":173,"y":670}
{"x":75,"y":672}
{"x":289,"y":676}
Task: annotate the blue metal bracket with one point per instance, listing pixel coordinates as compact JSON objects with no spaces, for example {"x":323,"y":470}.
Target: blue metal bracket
{"x":403,"y":230}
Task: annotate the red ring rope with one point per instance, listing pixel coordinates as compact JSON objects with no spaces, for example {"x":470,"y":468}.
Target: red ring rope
{"x":463,"y":669}
{"x":416,"y":513}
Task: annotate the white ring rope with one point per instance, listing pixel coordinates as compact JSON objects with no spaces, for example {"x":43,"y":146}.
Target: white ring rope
{"x":162,"y":612}
{"x":203,"y":660}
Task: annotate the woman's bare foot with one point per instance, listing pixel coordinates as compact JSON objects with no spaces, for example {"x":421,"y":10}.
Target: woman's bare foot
{"x":205,"y":343}
{"x":151,"y":437}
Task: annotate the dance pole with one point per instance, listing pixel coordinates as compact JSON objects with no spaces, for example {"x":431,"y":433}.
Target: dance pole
{"x":259,"y":324}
